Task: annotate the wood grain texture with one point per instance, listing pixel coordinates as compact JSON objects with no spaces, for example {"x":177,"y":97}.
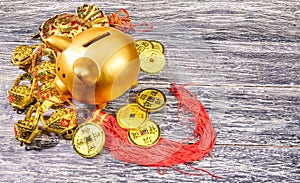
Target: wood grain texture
{"x":244,"y":57}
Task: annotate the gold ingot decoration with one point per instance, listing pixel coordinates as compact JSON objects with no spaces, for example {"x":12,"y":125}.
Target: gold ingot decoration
{"x":152,"y":61}
{"x":146,"y":136}
{"x":23,"y":55}
{"x":47,"y":89}
{"x":69,"y":24}
{"x":26,"y":130}
{"x":88,"y":139}
{"x":62,"y":120}
{"x":151,"y":100}
{"x":44,"y":71}
{"x":22,"y":95}
{"x":131,"y":117}
{"x":66,"y":24}
{"x":95,"y":66}
{"x":93,"y":15}
{"x":47,"y":86}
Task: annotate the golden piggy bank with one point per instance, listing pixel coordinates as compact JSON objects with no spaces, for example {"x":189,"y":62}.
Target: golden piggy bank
{"x":96,"y":66}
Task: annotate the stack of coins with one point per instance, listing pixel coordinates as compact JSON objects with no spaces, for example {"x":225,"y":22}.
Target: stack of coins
{"x":151,"y":55}
{"x":142,"y":131}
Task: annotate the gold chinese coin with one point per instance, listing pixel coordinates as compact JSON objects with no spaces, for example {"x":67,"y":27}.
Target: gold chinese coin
{"x":146,"y":136}
{"x":131,"y":117}
{"x":151,"y":100}
{"x":157,"y":46}
{"x":152,"y":61}
{"x":142,"y":45}
{"x":88,"y":139}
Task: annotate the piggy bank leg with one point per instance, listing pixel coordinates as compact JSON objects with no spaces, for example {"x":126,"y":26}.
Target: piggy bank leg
{"x":134,"y":84}
{"x":101,"y":106}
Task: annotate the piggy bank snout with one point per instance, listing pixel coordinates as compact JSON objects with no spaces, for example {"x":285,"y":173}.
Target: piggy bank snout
{"x":86,"y":70}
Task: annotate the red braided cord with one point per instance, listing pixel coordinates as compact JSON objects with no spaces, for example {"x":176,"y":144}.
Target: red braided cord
{"x":166,"y":153}
{"x":121,"y":21}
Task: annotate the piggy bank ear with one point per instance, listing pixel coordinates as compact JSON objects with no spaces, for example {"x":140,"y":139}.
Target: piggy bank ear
{"x":58,"y":43}
{"x":86,"y":70}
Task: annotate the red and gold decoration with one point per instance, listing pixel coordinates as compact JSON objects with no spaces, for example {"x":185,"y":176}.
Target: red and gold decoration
{"x":88,"y":57}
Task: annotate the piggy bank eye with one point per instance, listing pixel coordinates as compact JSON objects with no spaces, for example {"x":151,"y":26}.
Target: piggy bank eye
{"x":96,"y":39}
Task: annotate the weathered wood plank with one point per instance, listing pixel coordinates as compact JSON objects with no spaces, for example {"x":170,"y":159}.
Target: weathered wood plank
{"x":244,"y":115}
{"x":243,"y":44}
{"x":241,"y":115}
{"x":234,"y":164}
{"x":264,"y":133}
{"x":244,"y":57}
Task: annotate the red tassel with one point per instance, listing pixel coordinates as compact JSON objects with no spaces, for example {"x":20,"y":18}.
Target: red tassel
{"x":166,"y":153}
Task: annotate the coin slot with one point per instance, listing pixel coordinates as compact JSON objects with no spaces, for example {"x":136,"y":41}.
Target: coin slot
{"x":96,"y":39}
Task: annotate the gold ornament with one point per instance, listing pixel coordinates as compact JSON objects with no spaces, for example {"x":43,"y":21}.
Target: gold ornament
{"x":142,"y":45}
{"x":62,"y":120}
{"x":93,"y":15}
{"x":23,"y":55}
{"x":147,"y":135}
{"x":65,"y":24}
{"x":158,"y":46}
{"x":151,"y":100}
{"x":88,"y":139}
{"x":22,"y":95}
{"x":47,"y":90}
{"x":152,"y":61}
{"x":95,"y":66}
{"x":26,"y":130}
{"x":69,"y":25}
{"x":44,"y":71}
{"x":131,"y":117}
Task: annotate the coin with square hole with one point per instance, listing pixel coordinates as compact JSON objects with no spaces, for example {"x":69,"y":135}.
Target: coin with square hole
{"x":131,"y":117}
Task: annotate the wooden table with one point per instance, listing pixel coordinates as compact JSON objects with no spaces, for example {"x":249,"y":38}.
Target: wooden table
{"x":244,"y":58}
